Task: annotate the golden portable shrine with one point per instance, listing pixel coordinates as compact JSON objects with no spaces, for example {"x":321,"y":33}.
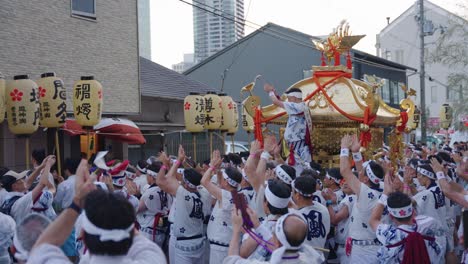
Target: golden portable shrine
{"x":337,"y":105}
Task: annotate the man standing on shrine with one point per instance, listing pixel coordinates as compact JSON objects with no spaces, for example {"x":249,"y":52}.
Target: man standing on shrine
{"x":296,"y":130}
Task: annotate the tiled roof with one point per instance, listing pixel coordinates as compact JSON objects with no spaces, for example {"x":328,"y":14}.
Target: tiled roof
{"x":159,"y":81}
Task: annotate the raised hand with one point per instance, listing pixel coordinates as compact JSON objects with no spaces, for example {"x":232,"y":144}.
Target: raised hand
{"x":270,"y":143}
{"x":255,"y":148}
{"x":436,"y":166}
{"x":164,"y":159}
{"x":237,"y":220}
{"x":356,"y":144}
{"x":253,"y":217}
{"x":268,"y":87}
{"x":216,"y":159}
{"x":346,"y":141}
{"x":388,"y":184}
{"x":181,"y":155}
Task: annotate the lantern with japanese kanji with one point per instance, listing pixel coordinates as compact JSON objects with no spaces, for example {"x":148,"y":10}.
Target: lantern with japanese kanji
{"x":227,"y":121}
{"x":247,"y":120}
{"x":235,"y":126}
{"x":52,"y":96}
{"x":87,"y":101}
{"x":445,"y":115}
{"x":194,"y":112}
{"x":213,"y":111}
{"x":2,"y":98}
{"x":22,"y":104}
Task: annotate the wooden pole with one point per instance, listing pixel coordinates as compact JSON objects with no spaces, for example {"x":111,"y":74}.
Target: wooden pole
{"x":224,"y":143}
{"x":87,"y":144}
{"x":27,"y":152}
{"x":194,"y":137}
{"x":211,"y":142}
{"x":232,"y":141}
{"x":57,"y":149}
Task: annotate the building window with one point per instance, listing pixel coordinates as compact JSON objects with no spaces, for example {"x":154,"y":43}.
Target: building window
{"x":84,"y":8}
{"x":433,"y":94}
{"x":386,"y":92}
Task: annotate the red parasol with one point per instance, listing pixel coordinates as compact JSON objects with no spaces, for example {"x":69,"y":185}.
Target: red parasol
{"x":114,"y":128}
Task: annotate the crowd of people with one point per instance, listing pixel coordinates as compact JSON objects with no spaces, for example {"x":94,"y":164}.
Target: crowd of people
{"x":238,"y":208}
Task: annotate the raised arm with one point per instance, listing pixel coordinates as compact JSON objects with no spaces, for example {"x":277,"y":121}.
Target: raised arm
{"x":357,"y":156}
{"x":271,"y":92}
{"x":345,"y":169}
{"x":58,"y":231}
{"x":212,"y":188}
{"x":455,"y":194}
{"x":35,"y":173}
{"x":168,"y":182}
{"x":376,"y":215}
{"x":252,"y":163}
{"x":44,"y":181}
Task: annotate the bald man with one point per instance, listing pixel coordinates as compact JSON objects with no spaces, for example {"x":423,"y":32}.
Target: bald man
{"x":288,"y":238}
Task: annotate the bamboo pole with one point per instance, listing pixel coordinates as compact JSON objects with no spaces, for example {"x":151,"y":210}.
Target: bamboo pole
{"x":27,"y":152}
{"x":57,"y":149}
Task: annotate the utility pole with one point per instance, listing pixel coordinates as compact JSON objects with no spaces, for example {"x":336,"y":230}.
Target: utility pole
{"x":422,"y":82}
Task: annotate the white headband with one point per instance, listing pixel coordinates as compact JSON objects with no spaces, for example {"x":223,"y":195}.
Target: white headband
{"x":293,"y":185}
{"x":401,"y":212}
{"x":21,"y":253}
{"x":277,"y":256}
{"x":370,"y":173}
{"x":130,"y":175}
{"x":283,"y":175}
{"x":151,"y":173}
{"x":189,"y":184}
{"x":426,"y":173}
{"x":295,"y":94}
{"x":274,"y":200}
{"x":119,"y":181}
{"x":230,"y":181}
{"x":331,"y":178}
{"x":142,"y":170}
{"x":115,"y":235}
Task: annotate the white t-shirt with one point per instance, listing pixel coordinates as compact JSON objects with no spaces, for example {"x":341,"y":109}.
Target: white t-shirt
{"x":390,"y":234}
{"x":142,"y":251}
{"x":431,"y":202}
{"x":359,"y":228}
{"x":156,"y":201}
{"x":296,"y":126}
{"x":342,"y":229}
{"x":188,"y":215}
{"x":318,"y":221}
{"x":65,"y":192}
{"x":249,"y":194}
{"x":220,"y":225}
{"x":25,"y":205}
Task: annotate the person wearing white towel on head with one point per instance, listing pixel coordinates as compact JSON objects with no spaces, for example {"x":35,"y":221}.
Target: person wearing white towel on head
{"x":108,"y":227}
{"x":119,"y":180}
{"x":187,"y":242}
{"x":288,"y":238}
{"x":220,"y":227}
{"x":141,"y":180}
{"x":154,"y":208}
{"x":7,"y":229}
{"x":26,"y":234}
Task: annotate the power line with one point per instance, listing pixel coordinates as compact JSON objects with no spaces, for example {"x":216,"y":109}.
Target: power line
{"x":278,"y":35}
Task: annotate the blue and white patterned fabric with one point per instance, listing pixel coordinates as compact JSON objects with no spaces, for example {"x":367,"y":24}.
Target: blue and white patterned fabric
{"x":296,"y":127}
{"x":7,"y":230}
{"x":390,"y":234}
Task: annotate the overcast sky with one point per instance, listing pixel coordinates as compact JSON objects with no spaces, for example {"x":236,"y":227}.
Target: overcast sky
{"x":172,"y":24}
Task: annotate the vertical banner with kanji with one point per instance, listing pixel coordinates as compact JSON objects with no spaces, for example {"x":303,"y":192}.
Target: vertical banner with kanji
{"x":52,"y":100}
{"x":87,"y":101}
{"x":22,"y":105}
